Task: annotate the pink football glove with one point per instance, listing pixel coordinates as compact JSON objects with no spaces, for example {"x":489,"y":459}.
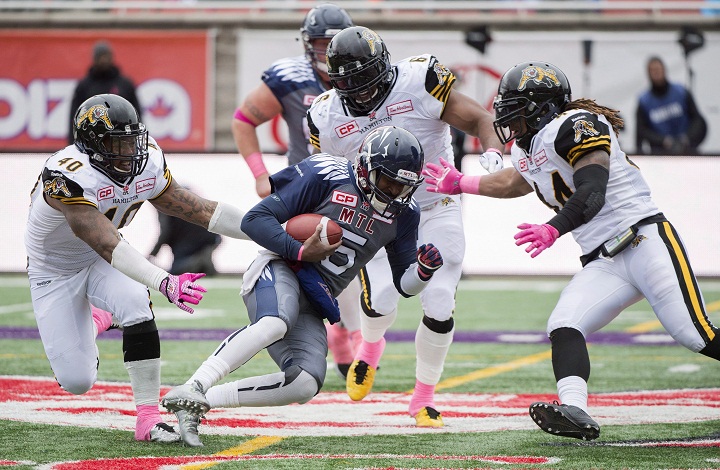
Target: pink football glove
{"x":540,"y":237}
{"x":445,"y":179}
{"x":429,"y":260}
{"x":182,"y":288}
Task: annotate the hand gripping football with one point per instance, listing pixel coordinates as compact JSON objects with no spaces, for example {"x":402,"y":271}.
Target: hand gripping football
{"x":302,"y":226}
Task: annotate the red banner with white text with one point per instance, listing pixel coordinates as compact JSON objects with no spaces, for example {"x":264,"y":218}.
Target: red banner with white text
{"x":170,"y":69}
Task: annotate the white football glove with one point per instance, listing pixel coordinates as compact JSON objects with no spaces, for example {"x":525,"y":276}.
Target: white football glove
{"x":492,"y":160}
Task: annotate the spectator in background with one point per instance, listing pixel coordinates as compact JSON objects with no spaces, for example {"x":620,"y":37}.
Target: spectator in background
{"x":667,"y":118}
{"x":103,"y":76}
{"x":192,"y":246}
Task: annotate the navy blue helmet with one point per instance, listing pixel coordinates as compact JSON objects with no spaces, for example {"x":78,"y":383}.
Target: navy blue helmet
{"x":395,"y":154}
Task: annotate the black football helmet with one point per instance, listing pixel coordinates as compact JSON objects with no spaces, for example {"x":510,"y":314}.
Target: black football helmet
{"x":108,"y":129}
{"x":530,"y":95}
{"x":397,"y":155}
{"x":359,"y":68}
{"x":322,"y":22}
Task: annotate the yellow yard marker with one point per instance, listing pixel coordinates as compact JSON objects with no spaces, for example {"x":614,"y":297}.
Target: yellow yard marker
{"x":494,"y":370}
{"x":651,"y":325}
{"x":245,"y":448}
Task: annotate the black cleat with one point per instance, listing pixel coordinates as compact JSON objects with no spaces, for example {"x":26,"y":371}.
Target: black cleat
{"x":564,"y":420}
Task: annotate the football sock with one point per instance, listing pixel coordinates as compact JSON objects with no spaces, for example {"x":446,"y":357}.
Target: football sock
{"x":422,"y":397}
{"x":355,"y":341}
{"x":147,"y":417}
{"x":101,"y":318}
{"x":339,"y":343}
{"x":145,"y":383}
{"x":374,"y":328}
{"x":212,"y":371}
{"x":573,"y":391}
{"x":431,"y":349}
{"x":371,"y":352}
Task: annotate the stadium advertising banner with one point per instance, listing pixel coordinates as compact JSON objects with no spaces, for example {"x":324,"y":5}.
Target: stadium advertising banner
{"x":170,"y":69}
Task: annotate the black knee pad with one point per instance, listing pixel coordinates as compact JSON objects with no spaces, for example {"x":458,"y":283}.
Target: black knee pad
{"x":440,"y":327}
{"x":712,"y":349}
{"x":569,"y":354}
{"x":141,"y":342}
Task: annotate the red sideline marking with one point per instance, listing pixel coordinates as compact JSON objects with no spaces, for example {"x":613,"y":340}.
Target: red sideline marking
{"x":110,"y":406}
{"x":156,"y":463}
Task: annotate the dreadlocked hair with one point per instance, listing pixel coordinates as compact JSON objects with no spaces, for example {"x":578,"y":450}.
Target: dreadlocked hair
{"x":612,"y":115}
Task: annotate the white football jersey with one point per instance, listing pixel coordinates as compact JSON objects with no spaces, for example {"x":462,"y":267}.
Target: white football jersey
{"x":69,"y":177}
{"x":416,"y":102}
{"x":548,"y":169}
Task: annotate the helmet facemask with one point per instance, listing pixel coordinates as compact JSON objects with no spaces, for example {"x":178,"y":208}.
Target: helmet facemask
{"x":364,"y":87}
{"x":369,"y":179}
{"x":388,"y":168}
{"x":107,"y":128}
{"x":359,"y":68}
{"x":123,"y":154}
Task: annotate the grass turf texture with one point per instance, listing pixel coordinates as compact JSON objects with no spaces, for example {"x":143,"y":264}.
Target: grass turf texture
{"x":512,"y":305}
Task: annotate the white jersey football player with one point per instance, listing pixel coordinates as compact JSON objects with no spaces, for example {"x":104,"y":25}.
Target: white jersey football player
{"x":415,"y":94}
{"x":288,"y":88}
{"x":77,"y":258}
{"x":568,"y":153}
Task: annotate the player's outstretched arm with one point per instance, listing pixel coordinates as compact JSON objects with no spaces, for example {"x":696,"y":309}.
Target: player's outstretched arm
{"x":446,"y":179}
{"x":217,"y":217}
{"x":88,"y":224}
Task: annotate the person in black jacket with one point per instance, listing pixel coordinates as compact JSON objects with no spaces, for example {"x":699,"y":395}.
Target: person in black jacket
{"x":192,"y":246}
{"x":103,"y":76}
{"x":667,"y":118}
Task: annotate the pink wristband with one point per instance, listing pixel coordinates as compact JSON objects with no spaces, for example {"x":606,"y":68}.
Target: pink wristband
{"x":300,"y":253}
{"x":254,"y":161}
{"x":470,"y":184}
{"x":241,"y":117}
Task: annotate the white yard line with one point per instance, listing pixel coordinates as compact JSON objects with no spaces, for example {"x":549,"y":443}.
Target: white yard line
{"x":14,"y":308}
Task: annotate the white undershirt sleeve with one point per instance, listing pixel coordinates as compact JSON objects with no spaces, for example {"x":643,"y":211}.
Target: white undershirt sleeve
{"x":130,"y":262}
{"x":226,"y":221}
{"x":411,"y":283}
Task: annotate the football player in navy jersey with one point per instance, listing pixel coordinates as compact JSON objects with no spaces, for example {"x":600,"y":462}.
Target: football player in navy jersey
{"x":288,"y":88}
{"x":77,"y":259}
{"x":417,"y":94}
{"x":568,"y":152}
{"x":291,"y":286}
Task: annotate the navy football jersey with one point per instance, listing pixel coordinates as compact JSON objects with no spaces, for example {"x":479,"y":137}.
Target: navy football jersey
{"x":295,"y":85}
{"x":326,"y":185}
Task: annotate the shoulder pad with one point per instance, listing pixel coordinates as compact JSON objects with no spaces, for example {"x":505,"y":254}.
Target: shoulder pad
{"x":580,"y":134}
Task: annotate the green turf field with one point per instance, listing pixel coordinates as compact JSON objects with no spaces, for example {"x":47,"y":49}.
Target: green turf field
{"x":627,"y":381}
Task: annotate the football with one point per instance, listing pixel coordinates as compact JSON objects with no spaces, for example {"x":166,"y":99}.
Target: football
{"x":302,"y":226}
